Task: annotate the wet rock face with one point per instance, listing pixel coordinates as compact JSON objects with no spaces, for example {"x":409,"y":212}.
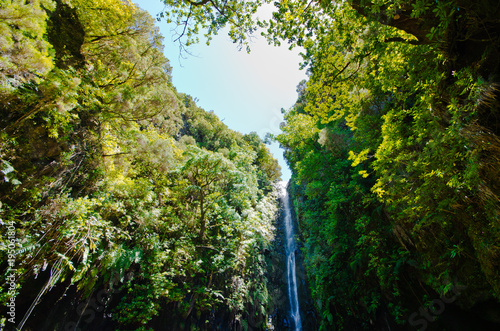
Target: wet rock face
{"x":291,"y":264}
{"x":279,"y":310}
{"x":276,"y":276}
{"x":308,"y":312}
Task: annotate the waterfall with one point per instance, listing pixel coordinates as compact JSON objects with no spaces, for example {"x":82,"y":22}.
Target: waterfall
{"x":290,"y":257}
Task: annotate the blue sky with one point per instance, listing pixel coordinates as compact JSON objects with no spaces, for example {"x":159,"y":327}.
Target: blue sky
{"x":246,"y":91}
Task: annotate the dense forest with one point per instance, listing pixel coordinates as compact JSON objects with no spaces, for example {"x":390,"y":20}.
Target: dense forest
{"x":395,"y":152}
{"x":123,"y":205}
{"x":126,"y":204}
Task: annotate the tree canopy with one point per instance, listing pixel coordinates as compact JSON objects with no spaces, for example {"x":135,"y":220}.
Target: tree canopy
{"x":113,"y":180}
{"x":122,"y":192}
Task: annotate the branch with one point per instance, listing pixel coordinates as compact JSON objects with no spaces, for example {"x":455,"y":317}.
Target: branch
{"x":416,"y":26}
{"x":208,"y":247}
{"x":199,"y":3}
{"x":185,"y":24}
{"x":214,"y":4}
{"x":110,"y":83}
{"x":122,"y":153}
{"x":308,"y":5}
{"x":128,"y":32}
{"x":347,"y":65}
{"x":399,"y":39}
{"x":341,"y":71}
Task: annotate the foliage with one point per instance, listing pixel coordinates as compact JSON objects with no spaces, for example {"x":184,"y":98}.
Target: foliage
{"x":393,"y":144}
{"x":387,"y":148}
{"x":114,"y":180}
{"x":193,"y":17}
{"x":25,"y":53}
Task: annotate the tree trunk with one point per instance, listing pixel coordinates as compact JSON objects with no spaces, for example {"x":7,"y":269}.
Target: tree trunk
{"x":419,"y":27}
{"x":203,"y":222}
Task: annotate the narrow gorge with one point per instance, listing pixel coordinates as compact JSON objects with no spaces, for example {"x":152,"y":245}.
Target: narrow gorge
{"x":291,"y":248}
{"x":124,"y":205}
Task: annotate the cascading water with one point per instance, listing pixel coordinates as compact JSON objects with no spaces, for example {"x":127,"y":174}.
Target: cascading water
{"x":290,"y":257}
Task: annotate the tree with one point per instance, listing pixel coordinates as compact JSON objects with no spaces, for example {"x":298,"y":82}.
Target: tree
{"x":25,"y":53}
{"x":103,"y":192}
{"x":212,"y":15}
{"x":396,"y":76}
{"x":209,"y":177}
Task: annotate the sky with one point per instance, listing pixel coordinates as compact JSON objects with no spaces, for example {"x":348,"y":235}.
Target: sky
{"x":246,"y":91}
